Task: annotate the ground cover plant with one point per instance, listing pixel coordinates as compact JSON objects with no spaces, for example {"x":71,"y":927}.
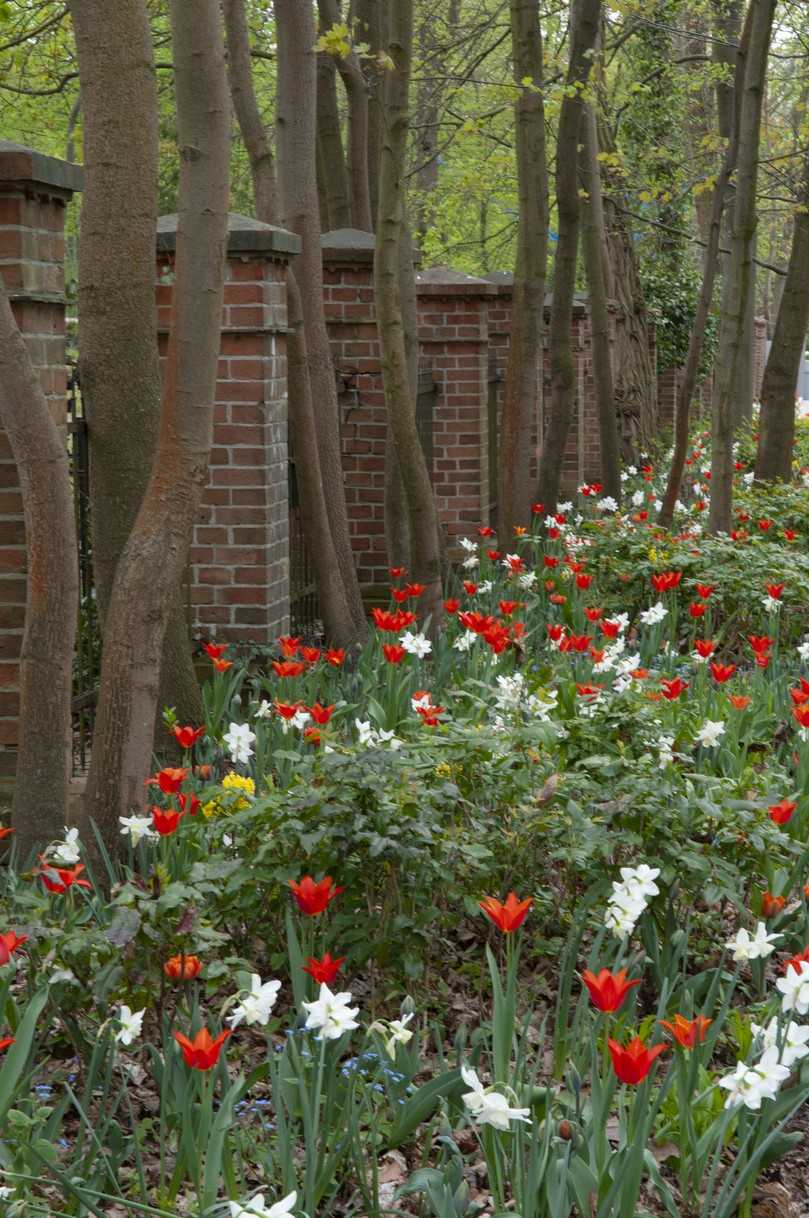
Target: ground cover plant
{"x":510,"y":918}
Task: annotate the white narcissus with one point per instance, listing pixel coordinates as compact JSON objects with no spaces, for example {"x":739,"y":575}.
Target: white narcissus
{"x":755,"y":947}
{"x":330,"y":1014}
{"x":749,"y":1085}
{"x":138,"y":828}
{"x":258,"y":1208}
{"x":489,"y":1107}
{"x":794,"y":988}
{"x":256,"y":1006}
{"x":239,"y":742}
{"x":131,"y":1023}
{"x":792,"y":1038}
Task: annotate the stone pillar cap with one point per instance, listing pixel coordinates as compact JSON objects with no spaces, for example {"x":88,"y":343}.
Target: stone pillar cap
{"x":20,"y":164}
{"x":348,"y":245}
{"x":246,"y":235}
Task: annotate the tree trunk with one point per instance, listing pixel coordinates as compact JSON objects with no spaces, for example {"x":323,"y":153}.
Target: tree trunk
{"x":372,"y":20}
{"x":356,"y":88}
{"x":523,"y":385}
{"x":399,"y":398}
{"x":710,"y":268}
{"x":585,"y":18}
{"x":298,"y":192}
{"x":118,"y":362}
{"x":44,"y":755}
{"x":397,"y":523}
{"x":157,"y":550}
{"x":594,"y":263}
{"x":774,"y":457}
{"x":330,"y":153}
{"x":635,"y":375}
{"x":314,"y":512}
{"x":248,"y":116}
{"x":740,"y":279}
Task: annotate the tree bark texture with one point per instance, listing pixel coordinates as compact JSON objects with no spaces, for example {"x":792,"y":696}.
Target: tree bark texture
{"x":330,"y":153}
{"x":248,"y":115}
{"x":356,"y":90}
{"x":594,"y":264}
{"x":299,"y":212}
{"x":396,"y":373}
{"x":740,"y":279}
{"x":523,"y":387}
{"x":371,"y":24}
{"x":118,"y":362}
{"x":777,"y":427}
{"x":585,"y":19}
{"x":314,"y":512}
{"x":157,"y":550}
{"x":710,"y":267}
{"x":44,"y":755}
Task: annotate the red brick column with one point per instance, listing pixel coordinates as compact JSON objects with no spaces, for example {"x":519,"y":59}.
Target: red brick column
{"x":34,"y":191}
{"x":240,"y":552}
{"x":348,"y":301}
{"x":453,"y":323}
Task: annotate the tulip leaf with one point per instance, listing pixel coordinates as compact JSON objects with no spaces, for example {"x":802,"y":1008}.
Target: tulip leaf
{"x":421,"y":1105}
{"x":16,"y":1056}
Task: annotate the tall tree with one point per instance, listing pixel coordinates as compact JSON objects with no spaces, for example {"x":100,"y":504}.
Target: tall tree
{"x":596,"y":269}
{"x":425,"y":554}
{"x":739,"y":281}
{"x":332,"y":598}
{"x":156,"y":552}
{"x":332,"y":171}
{"x":46,"y":660}
{"x":118,"y":319}
{"x":356,"y":89}
{"x":584,"y":26}
{"x":299,"y":211}
{"x":524,"y":369}
{"x":777,"y":426}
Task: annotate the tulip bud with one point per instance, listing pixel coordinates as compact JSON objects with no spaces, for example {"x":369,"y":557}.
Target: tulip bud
{"x":565,"y":1130}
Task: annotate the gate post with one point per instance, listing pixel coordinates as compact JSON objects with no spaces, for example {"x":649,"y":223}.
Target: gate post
{"x":34,"y":191}
{"x":239,"y":588}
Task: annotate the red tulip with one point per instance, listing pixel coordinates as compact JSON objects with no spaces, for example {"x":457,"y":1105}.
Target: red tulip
{"x":722,"y":672}
{"x":759,"y":643}
{"x":215,"y":650}
{"x":485,"y":531}
{"x":608,"y":990}
{"x":609,"y":629}
{"x":771,"y":905}
{"x":324,"y":970}
{"x":801,"y":715}
{"x":201,"y":1053}
{"x":394,"y":653}
{"x":182,"y":968}
{"x":312,"y":898}
{"x":415,"y":590}
{"x":781,"y":812}
{"x":310,"y":654}
{"x":5,"y":1042}
{"x":187,"y":737}
{"x":672,"y":689}
{"x":289,"y":668}
{"x":9,"y":943}
{"x":170,"y":780}
{"x":222,"y":665}
{"x":666,"y":581}
{"x":776,"y":591}
{"x":583,"y":582}
{"x":289,"y":646}
{"x":166,"y":820}
{"x":396,"y":572}
{"x":687,"y":1032}
{"x":593,"y":613}
{"x":59,"y":879}
{"x":740,"y":702}
{"x":189,"y":804}
{"x":507,"y":916}
{"x":336,"y":655}
{"x":697,"y":609}
{"x":550,"y":561}
{"x":633,"y":1062}
{"x":704,"y":647}
{"x":5,"y":833}
{"x":452,"y":605}
{"x":705,"y":590}
{"x":508,"y":607}
{"x":399,"y":595}
{"x":321,"y":714}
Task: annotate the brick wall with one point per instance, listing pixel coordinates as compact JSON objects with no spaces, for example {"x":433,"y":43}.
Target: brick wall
{"x":239,"y":581}
{"x":34,"y":191}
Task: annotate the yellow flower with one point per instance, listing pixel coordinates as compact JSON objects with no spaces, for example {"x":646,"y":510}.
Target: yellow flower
{"x":232,"y":782}
{"x":443,"y":770}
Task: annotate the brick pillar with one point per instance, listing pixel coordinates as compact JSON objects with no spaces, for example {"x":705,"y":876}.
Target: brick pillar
{"x":239,"y":587}
{"x":454,"y":336}
{"x":34,"y":191}
{"x":348,"y":301}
